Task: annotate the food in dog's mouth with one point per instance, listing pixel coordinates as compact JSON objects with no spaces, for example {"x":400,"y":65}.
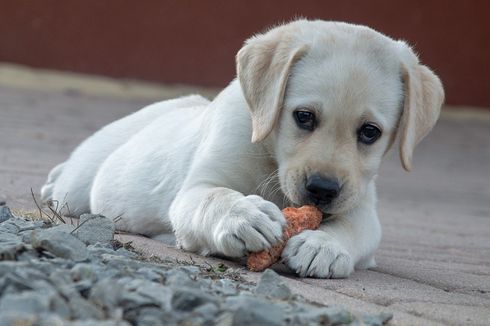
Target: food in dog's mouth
{"x":298,"y":220}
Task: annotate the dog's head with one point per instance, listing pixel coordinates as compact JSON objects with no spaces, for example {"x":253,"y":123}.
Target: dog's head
{"x":331,"y":98}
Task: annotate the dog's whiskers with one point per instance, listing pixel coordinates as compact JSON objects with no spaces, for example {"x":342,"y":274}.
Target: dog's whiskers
{"x":271,"y":181}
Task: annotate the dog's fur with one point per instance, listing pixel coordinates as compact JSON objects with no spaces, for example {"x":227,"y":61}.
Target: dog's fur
{"x":187,"y":165}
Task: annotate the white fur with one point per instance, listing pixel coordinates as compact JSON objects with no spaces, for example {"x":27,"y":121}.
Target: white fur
{"x":187,"y":165}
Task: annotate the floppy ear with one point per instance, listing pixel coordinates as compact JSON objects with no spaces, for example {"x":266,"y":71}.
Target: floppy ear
{"x":263,"y":67}
{"x":422,"y":105}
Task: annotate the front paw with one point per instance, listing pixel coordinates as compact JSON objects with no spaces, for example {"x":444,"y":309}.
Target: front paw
{"x":316,"y":254}
{"x":252,"y":224}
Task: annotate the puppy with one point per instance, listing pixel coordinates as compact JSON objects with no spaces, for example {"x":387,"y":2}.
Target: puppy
{"x":313,"y":110}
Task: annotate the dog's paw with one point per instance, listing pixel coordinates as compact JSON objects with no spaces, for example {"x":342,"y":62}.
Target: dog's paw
{"x":316,"y":254}
{"x":252,"y":224}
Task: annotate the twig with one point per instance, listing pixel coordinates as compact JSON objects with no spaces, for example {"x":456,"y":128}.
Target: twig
{"x":79,"y":225}
{"x":40,"y":209}
{"x":55,"y":211}
{"x":117,"y":218}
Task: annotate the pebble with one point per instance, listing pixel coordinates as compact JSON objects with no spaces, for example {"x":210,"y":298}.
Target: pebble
{"x":84,"y":309}
{"x":95,"y":228}
{"x":178,"y":278}
{"x":158,"y":294}
{"x":60,"y":244}
{"x":83,"y":271}
{"x":249,"y":310}
{"x":106,"y":294}
{"x":5,"y":213}
{"x":325,"y":316}
{"x":271,"y":286}
{"x":10,"y":246}
{"x":187,"y":299}
{"x":35,"y":302}
{"x":151,"y":316}
{"x":72,"y":275}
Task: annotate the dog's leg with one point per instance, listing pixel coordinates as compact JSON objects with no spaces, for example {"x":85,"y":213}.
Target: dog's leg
{"x":339,"y":245}
{"x":217,"y":220}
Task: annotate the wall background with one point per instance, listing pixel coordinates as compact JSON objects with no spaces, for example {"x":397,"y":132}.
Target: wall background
{"x":194,"y":42}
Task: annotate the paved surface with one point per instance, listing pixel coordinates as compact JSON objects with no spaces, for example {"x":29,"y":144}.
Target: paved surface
{"x":434,"y":259}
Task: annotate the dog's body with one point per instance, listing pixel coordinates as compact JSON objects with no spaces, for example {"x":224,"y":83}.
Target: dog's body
{"x":187,"y":165}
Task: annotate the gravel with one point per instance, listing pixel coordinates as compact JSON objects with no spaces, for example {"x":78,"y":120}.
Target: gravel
{"x":95,"y":228}
{"x":79,"y":275}
{"x":60,"y":244}
{"x":5,"y":213}
{"x":271,"y":286}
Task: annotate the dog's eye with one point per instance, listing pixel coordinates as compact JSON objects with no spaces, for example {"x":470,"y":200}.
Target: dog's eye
{"x":305,"y":119}
{"x":368,"y":133}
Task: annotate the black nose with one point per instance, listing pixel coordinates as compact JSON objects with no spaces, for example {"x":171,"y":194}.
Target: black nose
{"x":321,"y":191}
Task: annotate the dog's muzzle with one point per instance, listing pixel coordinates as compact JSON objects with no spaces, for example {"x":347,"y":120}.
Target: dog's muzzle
{"x":321,"y":191}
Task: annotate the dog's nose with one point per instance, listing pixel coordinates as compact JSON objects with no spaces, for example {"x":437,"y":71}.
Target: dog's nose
{"x":320,"y":190}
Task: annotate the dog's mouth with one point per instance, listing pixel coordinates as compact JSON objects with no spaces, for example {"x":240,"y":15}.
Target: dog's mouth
{"x":327,"y":217}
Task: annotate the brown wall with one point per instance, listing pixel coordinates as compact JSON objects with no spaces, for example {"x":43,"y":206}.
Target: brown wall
{"x":184,"y":41}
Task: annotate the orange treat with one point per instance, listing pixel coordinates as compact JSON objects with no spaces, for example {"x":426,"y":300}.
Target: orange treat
{"x":298,"y":220}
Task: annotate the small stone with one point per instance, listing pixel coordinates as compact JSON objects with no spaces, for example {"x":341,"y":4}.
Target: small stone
{"x":207,"y":311}
{"x":27,"y":278}
{"x":248,"y":310}
{"x":27,"y":255}
{"x":113,"y":260}
{"x":26,"y":236}
{"x":60,"y":279}
{"x":83,"y":309}
{"x":159,"y":295}
{"x":45,"y":267}
{"x":5,"y":213}
{"x":9,"y":238}
{"x":8,"y":226}
{"x":95,"y":228}
{"x":100,"y":248}
{"x":11,"y":246}
{"x":16,"y":225}
{"x":125,"y":253}
{"x":227,"y":287}
{"x":67,"y":228}
{"x":270,"y":285}
{"x":27,"y":225}
{"x":35,"y":302}
{"x":150,"y":274}
{"x":151,"y":316}
{"x":190,"y":270}
{"x":83,"y":271}
{"x":324,"y":316}
{"x":60,"y":244}
{"x":7,"y":267}
{"x":177,"y":278}
{"x":17,"y":318}
{"x":50,"y":320}
{"x":106,"y":294}
{"x":188,"y":299}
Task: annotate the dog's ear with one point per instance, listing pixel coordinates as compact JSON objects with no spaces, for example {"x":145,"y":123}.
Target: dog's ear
{"x":424,"y":96}
{"x":263,"y":68}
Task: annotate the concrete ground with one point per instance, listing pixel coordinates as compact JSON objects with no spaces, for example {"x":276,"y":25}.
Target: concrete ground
{"x":434,"y":259}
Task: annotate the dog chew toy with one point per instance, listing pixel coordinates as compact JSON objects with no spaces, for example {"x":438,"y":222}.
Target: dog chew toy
{"x":298,"y":220}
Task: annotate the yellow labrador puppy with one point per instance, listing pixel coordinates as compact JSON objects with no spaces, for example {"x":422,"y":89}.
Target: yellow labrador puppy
{"x":313,"y":110}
